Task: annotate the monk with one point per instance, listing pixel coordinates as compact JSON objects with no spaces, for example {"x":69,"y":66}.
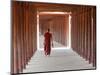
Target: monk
{"x":47,"y":42}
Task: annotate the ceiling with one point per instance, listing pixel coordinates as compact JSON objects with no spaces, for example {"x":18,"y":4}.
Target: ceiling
{"x":57,"y":7}
{"x":49,"y":17}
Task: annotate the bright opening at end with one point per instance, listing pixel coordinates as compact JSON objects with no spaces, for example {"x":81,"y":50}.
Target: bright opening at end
{"x":54,"y":13}
{"x":56,"y":48}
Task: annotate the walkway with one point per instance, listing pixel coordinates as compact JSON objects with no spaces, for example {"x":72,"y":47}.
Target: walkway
{"x":59,"y":60}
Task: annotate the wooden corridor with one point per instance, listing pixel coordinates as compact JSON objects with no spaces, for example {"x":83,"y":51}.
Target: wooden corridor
{"x":24,"y":30}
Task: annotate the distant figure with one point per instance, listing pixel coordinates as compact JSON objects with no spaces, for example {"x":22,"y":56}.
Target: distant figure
{"x":48,"y":40}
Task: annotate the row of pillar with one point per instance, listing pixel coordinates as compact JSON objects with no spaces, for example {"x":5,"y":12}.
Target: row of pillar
{"x":23,"y":35}
{"x":84,"y":33}
{"x":60,"y":29}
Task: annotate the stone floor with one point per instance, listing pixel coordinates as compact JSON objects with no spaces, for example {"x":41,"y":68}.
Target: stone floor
{"x":58,"y":60}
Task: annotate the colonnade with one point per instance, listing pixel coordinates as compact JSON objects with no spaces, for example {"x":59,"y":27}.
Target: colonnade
{"x":23,"y":35}
{"x":83,"y":34}
{"x":24,"y":32}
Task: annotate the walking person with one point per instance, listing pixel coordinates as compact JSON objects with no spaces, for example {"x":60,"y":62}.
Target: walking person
{"x":48,"y":40}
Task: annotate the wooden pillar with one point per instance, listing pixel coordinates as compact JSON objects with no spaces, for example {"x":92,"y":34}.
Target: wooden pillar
{"x":89,"y":35}
{"x":14,"y":36}
{"x":86,"y":45}
{"x":94,"y":36}
{"x":80,"y":31}
{"x":22,"y":35}
{"x":83,"y":38}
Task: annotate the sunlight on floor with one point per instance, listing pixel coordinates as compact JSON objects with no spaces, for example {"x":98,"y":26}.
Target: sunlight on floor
{"x":58,"y":60}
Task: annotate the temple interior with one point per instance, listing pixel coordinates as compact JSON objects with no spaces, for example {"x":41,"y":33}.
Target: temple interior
{"x":74,"y":36}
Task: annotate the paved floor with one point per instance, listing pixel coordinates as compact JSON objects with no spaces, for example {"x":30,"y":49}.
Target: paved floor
{"x":58,"y":60}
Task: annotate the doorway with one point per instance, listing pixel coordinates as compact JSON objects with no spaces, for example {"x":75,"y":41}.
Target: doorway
{"x":59,"y":24}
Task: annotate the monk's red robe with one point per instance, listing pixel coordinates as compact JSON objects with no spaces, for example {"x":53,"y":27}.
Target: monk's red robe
{"x":47,"y":43}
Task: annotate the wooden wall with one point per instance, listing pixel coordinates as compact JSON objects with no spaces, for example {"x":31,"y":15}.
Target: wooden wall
{"x":23,"y":35}
{"x":84,"y":33}
{"x":59,"y":26}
